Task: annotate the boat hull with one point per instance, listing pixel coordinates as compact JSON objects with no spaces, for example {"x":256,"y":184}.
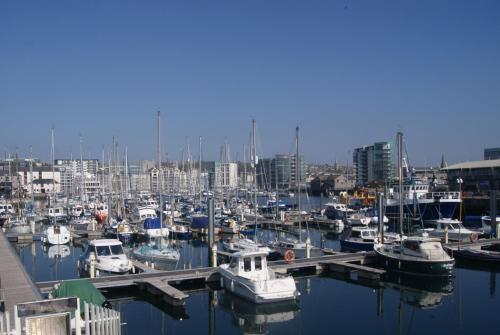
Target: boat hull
{"x":428,"y":210}
{"x":434,"y":268}
{"x":356,"y":246}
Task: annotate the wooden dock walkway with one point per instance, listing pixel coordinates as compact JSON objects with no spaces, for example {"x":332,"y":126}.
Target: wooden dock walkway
{"x":15,"y":283}
{"x":161,"y":282}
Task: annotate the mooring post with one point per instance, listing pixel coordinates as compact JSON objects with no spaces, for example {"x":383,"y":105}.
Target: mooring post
{"x":381,"y":215}
{"x":211,"y":239}
{"x":33,"y":227}
{"x":446,"y":234}
{"x":308,"y":247}
{"x":493,"y":212}
{"x":92,"y":265}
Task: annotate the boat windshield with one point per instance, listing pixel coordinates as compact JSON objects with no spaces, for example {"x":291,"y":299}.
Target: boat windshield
{"x":117,"y":249}
{"x":455,"y":226}
{"x":102,"y":250}
{"x":369,"y":233}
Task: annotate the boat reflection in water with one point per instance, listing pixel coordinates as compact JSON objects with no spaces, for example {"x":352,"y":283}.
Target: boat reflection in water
{"x":255,"y":318}
{"x":424,"y":293}
{"x":56,"y":251}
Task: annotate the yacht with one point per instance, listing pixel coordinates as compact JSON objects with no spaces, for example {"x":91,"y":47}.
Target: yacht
{"x":157,"y":251}
{"x":456,"y":231}
{"x":56,"y":215}
{"x":56,"y":235}
{"x":486,"y":223}
{"x":154,"y":228}
{"x":417,"y":255}
{"x":109,"y":257}
{"x":142,"y":213}
{"x":248,"y":276}
{"x":359,"y":239}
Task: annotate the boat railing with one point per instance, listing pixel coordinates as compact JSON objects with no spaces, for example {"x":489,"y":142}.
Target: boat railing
{"x":443,"y":195}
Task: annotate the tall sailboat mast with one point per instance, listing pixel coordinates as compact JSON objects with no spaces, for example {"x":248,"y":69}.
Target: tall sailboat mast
{"x":82,"y":182}
{"x":297,"y":178}
{"x":52,"y":154}
{"x":399,"y":140}
{"x":254,"y":164}
{"x":199,"y":171}
{"x":160,"y":179}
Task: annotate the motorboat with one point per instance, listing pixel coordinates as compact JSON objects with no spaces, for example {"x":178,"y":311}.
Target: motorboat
{"x":157,"y":251}
{"x":248,"y":276}
{"x":108,"y":255}
{"x":372,"y":214}
{"x":142,"y":213}
{"x":417,"y":255}
{"x":229,"y":226}
{"x":56,"y":215}
{"x":56,"y":235}
{"x":154,"y":228}
{"x":291,"y":248}
{"x":484,"y":253}
{"x":359,"y":239}
{"x":180,"y":231}
{"x":454,"y":228}
{"x":120,"y":230}
{"x":241,"y":244}
{"x":486,"y":223}
{"x":358,"y":219}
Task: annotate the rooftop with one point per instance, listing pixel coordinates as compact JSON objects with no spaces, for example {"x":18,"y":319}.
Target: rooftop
{"x":492,"y":163}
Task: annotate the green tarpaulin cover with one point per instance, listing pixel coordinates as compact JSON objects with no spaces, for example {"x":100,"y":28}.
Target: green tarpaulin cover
{"x":82,"y":289}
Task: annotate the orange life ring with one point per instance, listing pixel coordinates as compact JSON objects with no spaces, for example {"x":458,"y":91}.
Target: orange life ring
{"x":289,"y":255}
{"x":473,"y":237}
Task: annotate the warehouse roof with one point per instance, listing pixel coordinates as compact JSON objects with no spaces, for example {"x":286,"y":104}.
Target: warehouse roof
{"x":492,"y":163}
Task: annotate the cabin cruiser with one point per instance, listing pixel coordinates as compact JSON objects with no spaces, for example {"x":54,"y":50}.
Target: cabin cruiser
{"x":56,"y":215}
{"x":416,"y":255}
{"x":6,"y":209}
{"x":229,"y":226}
{"x":142,"y":213}
{"x":180,"y":231}
{"x":153,"y":228}
{"x":486,"y":223}
{"x":157,"y":251}
{"x":337,"y":212}
{"x":358,"y":219}
{"x":241,"y":244}
{"x":109,"y":257}
{"x":456,"y":231}
{"x":248,"y":276}
{"x":56,"y":234}
{"x":359,"y":239}
{"x":293,"y":248}
{"x":372,"y":214}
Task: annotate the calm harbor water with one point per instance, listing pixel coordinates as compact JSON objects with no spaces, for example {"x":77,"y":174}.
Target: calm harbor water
{"x":467,"y":303}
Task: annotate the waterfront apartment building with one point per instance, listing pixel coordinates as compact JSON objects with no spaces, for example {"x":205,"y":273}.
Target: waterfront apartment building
{"x":71,"y":174}
{"x":491,"y":153}
{"x":224,"y":175}
{"x":280,"y":172}
{"x":373,"y":163}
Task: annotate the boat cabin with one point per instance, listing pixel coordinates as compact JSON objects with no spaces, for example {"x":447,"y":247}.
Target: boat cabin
{"x":365,"y":234}
{"x":105,"y":247}
{"x":6,"y":209}
{"x":249,"y":264}
{"x":428,"y":248}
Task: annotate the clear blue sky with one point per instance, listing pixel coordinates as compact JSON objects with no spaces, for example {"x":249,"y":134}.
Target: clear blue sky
{"x":347,"y":72}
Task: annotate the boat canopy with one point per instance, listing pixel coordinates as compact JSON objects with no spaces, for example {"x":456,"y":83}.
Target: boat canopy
{"x":151,"y":223}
